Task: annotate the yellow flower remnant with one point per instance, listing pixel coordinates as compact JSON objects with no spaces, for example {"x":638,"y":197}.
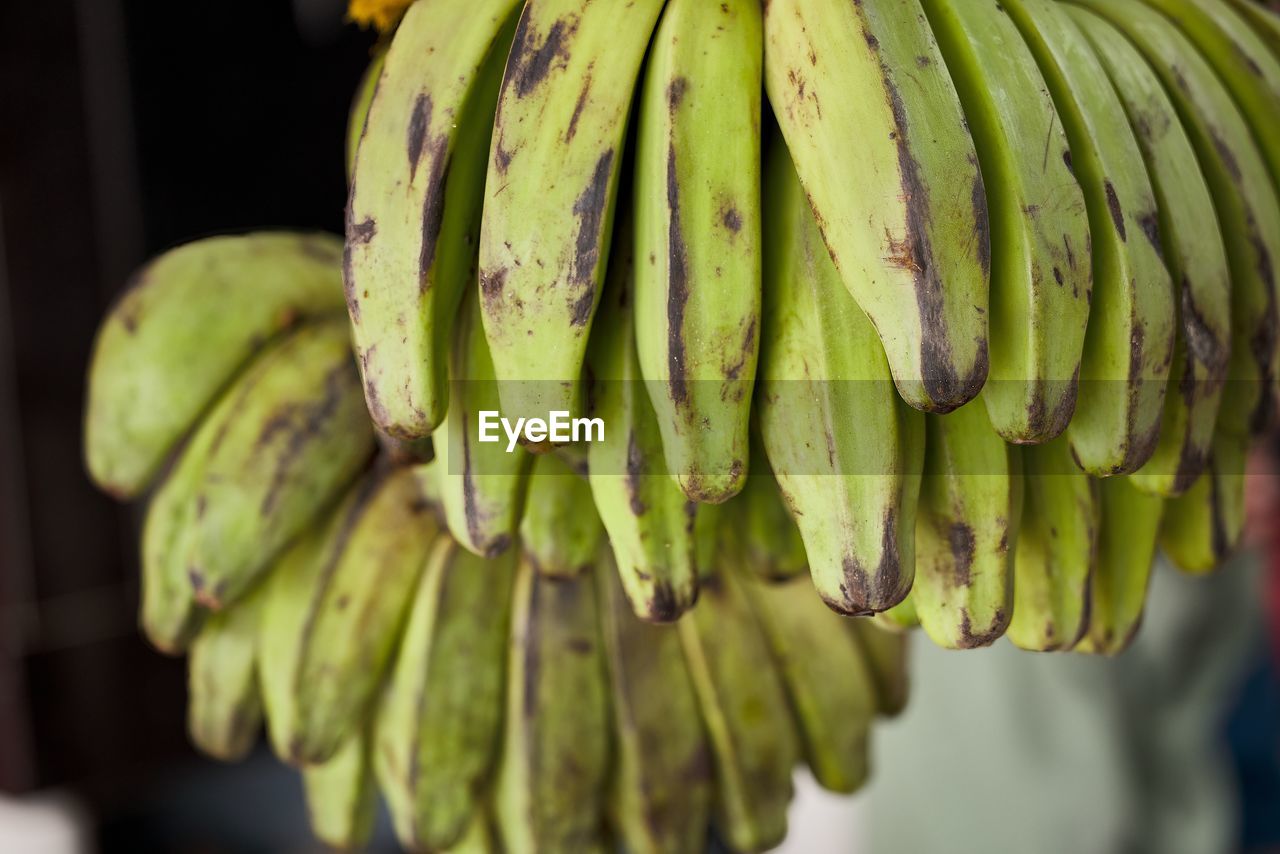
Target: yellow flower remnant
{"x":383,"y":14}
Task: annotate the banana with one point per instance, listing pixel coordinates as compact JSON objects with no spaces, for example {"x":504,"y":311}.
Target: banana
{"x":901,"y":617}
{"x":903,"y":212}
{"x":561,"y":531}
{"x":1202,"y":527}
{"x":549,"y":788}
{"x":1128,"y":528}
{"x":1129,"y":343}
{"x":478,"y":838}
{"x":187,"y":325}
{"x":765,"y":536}
{"x":224,"y":708}
{"x":439,"y":719}
{"x":292,"y":434}
{"x":648,"y":519}
{"x":744,"y":711}
{"x":549,"y":197}
{"x":356,"y":613}
{"x":413,"y":216}
{"x":1057,"y":550}
{"x":886,"y":655}
{"x":829,"y":683}
{"x":1196,"y":257}
{"x":660,"y":787}
{"x":483,"y":484}
{"x":1263,"y":19}
{"x":1040,"y":264}
{"x":698,"y":223}
{"x":360,"y":102}
{"x":341,"y":797}
{"x":966,"y":529}
{"x":845,"y":450}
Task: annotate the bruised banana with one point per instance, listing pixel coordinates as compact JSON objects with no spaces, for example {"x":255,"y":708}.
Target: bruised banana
{"x":561,"y":531}
{"x":439,"y":719}
{"x":170,"y":345}
{"x":413,"y":218}
{"x":549,"y":197}
{"x":845,"y":450}
{"x":660,"y":786}
{"x":550,"y":783}
{"x":224,"y":708}
{"x":697,"y":285}
{"x":829,"y":683}
{"x":880,"y":143}
{"x":1196,"y":257}
{"x":1129,"y":342}
{"x":341,"y":797}
{"x":966,"y":528}
{"x":1040,"y":264}
{"x":886,"y":655}
{"x":292,"y":434}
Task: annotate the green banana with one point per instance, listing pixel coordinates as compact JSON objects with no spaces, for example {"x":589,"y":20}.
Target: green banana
{"x":1057,"y":550}
{"x":439,"y":719}
{"x":341,"y":797}
{"x":765,"y":535}
{"x":478,"y":838}
{"x":1203,"y":526}
{"x":1040,"y":264}
{"x":1129,"y":343}
{"x":697,"y":288}
{"x":224,"y":708}
{"x":1263,"y":19}
{"x":744,"y":711}
{"x":886,"y":655}
{"x":356,"y":613}
{"x":829,"y":683}
{"x":413,"y":218}
{"x":901,"y":617}
{"x":1196,"y":257}
{"x":904,"y":211}
{"x":549,"y":197}
{"x":483,"y":484}
{"x":360,"y":102}
{"x":293,"y":433}
{"x":966,"y":529}
{"x":189,"y":322}
{"x":660,"y":787}
{"x":852,"y":489}
{"x":561,"y":531}
{"x":550,"y":783}
{"x":1129,"y":524}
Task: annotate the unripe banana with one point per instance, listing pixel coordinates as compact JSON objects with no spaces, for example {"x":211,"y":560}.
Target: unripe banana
{"x":764,"y":534}
{"x":844,"y":448}
{"x":660,"y":786}
{"x":292,"y":435}
{"x":1202,"y":527}
{"x":1263,"y":19}
{"x":360,"y":102}
{"x":698,"y":238}
{"x":886,"y":655}
{"x":188,"y":324}
{"x":880,"y":142}
{"x":341,"y":796}
{"x":479,"y":837}
{"x":1040,"y":263}
{"x":413,"y":218}
{"x":224,"y":708}
{"x":549,"y":197}
{"x":901,"y":617}
{"x":1129,"y":343}
{"x":561,"y":531}
{"x":550,"y":784}
{"x":440,"y":716}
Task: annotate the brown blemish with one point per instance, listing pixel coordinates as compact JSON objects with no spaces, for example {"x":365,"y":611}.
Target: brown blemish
{"x":635,"y":470}
{"x":589,"y":207}
{"x":1066,"y":158}
{"x":962,"y":543}
{"x":530,"y":63}
{"x":1113,"y":205}
{"x":675,"y":93}
{"x":419,"y":122}
{"x":577,"y":108}
{"x":677,"y":286}
{"x":1150,"y":226}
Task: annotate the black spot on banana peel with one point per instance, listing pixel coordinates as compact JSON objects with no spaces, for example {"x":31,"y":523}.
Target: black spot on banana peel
{"x":1117,"y":214}
{"x":529,"y":62}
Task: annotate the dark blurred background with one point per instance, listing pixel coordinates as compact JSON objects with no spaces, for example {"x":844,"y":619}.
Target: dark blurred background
{"x":129,"y":126}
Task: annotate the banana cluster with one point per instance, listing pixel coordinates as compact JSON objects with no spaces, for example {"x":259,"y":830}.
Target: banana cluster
{"x":981,"y":294}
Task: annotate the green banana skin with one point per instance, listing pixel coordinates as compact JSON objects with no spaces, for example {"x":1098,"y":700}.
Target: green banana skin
{"x":1202,"y":527}
{"x":698,"y":230}
{"x":356,"y":613}
{"x":659,"y":793}
{"x":886,"y":655}
{"x":413,"y":218}
{"x":1041,"y":272}
{"x":863,"y":99}
{"x":478,"y":838}
{"x":293,"y":434}
{"x":341,"y":797}
{"x":561,"y":530}
{"x":549,"y":197}
{"x":767,"y":539}
{"x":744,"y":712}
{"x":829,"y":683}
{"x":360,"y":102}
{"x":1265,"y":22}
{"x":1196,"y":257}
{"x":1127,"y":534}
{"x":901,"y":617}
{"x":966,"y":529}
{"x":187,"y":325}
{"x":1057,"y":550}
{"x":483,"y":486}
{"x":550,"y":783}
{"x":852,"y":492}
{"x":1128,"y":346}
{"x":439,"y":719}
{"x":649,"y":520}
{"x":224,"y":708}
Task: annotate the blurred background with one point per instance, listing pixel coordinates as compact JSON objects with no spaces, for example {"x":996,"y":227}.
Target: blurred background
{"x":133,"y":125}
